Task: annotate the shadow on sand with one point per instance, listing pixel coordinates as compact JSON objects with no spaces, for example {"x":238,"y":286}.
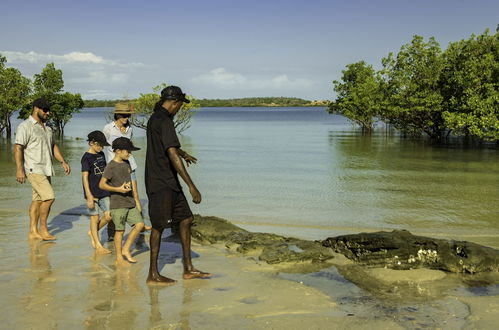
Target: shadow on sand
{"x":64,"y":220}
{"x":171,"y":249}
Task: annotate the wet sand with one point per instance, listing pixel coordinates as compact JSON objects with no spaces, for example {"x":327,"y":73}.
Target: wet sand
{"x":64,"y":285}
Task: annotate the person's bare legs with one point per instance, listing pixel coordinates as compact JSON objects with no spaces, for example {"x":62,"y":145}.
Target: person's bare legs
{"x":118,"y":238}
{"x":44,"y":211}
{"x":185,"y":239}
{"x":94,"y":234}
{"x":155,"y":243}
{"x":34,"y":213}
{"x":137,"y":228}
{"x":104,"y":220}
{"x":93,"y":218}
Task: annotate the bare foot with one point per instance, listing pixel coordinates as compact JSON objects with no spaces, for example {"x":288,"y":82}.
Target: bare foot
{"x":102,"y":250}
{"x":46,"y":236}
{"x":194,"y":273}
{"x":129,"y":257}
{"x":159,"y":280}
{"x":91,"y":238}
{"x":34,"y":236}
{"x":122,"y":262}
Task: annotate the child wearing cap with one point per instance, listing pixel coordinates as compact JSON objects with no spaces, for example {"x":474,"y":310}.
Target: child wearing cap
{"x":93,"y":163}
{"x":125,"y":203}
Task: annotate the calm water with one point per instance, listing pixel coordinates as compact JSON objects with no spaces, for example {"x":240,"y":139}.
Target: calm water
{"x":303,"y":172}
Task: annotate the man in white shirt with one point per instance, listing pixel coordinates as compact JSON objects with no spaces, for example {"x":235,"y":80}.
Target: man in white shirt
{"x":33,"y":151}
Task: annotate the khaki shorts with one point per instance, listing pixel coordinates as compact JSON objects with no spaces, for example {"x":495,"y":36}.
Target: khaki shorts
{"x":42,"y":188}
{"x":120,"y":216}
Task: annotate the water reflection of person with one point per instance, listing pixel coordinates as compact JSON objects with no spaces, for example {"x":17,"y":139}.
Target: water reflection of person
{"x":114,"y":296}
{"x":40,"y":300}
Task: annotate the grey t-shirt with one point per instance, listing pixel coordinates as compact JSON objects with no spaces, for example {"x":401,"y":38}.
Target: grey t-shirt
{"x":117,"y":174}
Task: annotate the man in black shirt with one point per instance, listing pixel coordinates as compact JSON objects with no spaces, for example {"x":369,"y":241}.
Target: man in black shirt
{"x":167,"y":202}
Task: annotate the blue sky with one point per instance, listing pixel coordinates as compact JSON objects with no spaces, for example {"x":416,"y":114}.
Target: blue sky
{"x":222,"y":49}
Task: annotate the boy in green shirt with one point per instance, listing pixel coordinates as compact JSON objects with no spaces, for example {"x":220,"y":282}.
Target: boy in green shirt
{"x":125,"y":203}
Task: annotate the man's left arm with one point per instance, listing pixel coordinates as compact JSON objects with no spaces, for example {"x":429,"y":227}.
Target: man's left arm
{"x":60,"y":158}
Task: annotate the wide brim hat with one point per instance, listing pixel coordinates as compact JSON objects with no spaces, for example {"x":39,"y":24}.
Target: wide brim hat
{"x":124,"y":108}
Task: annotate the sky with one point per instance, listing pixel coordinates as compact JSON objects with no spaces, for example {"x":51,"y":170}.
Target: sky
{"x":110,"y":49}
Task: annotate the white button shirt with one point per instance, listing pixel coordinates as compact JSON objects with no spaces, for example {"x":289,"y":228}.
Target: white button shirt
{"x":38,"y":143}
{"x":112,"y":132}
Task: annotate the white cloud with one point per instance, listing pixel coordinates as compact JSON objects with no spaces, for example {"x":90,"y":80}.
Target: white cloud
{"x":72,"y":57}
{"x":100,"y":77}
{"x":220,"y":77}
{"x":84,"y":72}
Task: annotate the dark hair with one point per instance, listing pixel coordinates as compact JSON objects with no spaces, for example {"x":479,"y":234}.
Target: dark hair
{"x":119,"y":115}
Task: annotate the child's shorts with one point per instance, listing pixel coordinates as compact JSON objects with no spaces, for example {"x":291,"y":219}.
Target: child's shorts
{"x":102,"y":204}
{"x":120,"y":216}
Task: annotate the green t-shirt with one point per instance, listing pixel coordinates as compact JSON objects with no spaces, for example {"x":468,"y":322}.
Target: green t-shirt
{"x":117,"y":174}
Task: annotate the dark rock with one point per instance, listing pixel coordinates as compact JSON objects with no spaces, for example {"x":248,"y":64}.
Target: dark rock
{"x":400,"y":249}
{"x":270,"y":248}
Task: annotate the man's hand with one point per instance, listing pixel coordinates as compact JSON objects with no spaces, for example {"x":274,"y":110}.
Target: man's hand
{"x":20,"y":176}
{"x":67,"y":168}
{"x":196,"y":195}
{"x":189,"y":159}
{"x":90,"y":203}
{"x":125,"y":187}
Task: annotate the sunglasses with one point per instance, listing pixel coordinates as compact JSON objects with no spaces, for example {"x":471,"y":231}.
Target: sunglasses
{"x":45,"y":110}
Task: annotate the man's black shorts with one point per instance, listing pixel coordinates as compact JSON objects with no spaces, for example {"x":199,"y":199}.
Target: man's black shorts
{"x":167,"y":207}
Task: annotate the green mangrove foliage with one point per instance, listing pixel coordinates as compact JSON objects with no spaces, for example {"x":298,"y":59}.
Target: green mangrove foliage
{"x":424,"y":90}
{"x":358,"y":95}
{"x":49,"y":84}
{"x":14,"y":94}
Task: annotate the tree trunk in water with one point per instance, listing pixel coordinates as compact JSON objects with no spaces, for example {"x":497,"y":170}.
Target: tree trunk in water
{"x":9,"y":129}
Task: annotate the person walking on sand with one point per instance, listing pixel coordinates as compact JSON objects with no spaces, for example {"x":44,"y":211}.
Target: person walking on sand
{"x":125,"y":205}
{"x":120,"y":127}
{"x":167,"y":202}
{"x":33,"y":151}
{"x":93,"y":163}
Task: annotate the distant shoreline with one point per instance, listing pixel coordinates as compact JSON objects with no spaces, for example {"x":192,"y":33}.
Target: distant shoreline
{"x":251,"y":102}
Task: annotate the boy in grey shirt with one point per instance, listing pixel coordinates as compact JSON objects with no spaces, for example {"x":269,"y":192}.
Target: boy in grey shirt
{"x":125,"y":204}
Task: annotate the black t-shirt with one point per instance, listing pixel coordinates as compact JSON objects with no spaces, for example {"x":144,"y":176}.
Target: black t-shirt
{"x":160,"y":173}
{"x":94,"y":164}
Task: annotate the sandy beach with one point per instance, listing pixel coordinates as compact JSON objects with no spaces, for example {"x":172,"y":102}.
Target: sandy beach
{"x":63,"y":284}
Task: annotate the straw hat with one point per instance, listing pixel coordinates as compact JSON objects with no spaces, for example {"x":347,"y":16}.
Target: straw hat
{"x":124,"y":108}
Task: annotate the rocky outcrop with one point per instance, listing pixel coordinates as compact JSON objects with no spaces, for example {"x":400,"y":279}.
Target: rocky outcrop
{"x":270,"y":248}
{"x":400,"y":249}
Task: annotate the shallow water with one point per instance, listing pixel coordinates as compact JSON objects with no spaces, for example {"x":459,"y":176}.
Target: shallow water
{"x":296,"y":172}
{"x":306,"y":173}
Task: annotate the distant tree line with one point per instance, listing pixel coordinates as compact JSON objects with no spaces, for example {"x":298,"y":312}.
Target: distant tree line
{"x":18,"y":92}
{"x":257,"y":102}
{"x":100,"y":103}
{"x":424,"y":90}
{"x":239,"y":102}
